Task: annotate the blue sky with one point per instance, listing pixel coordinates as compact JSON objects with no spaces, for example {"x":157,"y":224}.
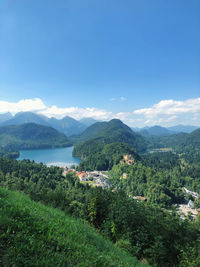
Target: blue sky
{"x":116,"y":58}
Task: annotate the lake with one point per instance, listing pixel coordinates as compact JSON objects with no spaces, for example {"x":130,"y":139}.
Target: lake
{"x":51,"y":157}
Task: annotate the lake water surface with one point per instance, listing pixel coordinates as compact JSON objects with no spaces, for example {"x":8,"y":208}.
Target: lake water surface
{"x":54,"y":156}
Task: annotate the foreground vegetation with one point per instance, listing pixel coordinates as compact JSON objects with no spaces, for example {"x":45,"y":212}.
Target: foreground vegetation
{"x":35,"y":235}
{"x":144,"y":230}
{"x":12,"y":154}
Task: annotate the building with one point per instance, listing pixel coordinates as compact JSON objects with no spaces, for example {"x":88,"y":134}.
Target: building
{"x":65,"y":168}
{"x":141,"y":198}
{"x":128,"y":159}
{"x":191,"y":204}
{"x":124,"y":176}
{"x":82,"y":176}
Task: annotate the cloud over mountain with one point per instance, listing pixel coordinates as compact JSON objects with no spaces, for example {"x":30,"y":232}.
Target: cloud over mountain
{"x":165,"y":112}
{"x":170,"y":111}
{"x":35,"y":104}
{"x":170,"y":107}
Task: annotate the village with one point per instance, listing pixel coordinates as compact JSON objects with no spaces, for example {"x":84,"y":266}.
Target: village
{"x":188,"y":209}
{"x":101,"y":179}
{"x":98,"y":178}
{"x":93,"y":178}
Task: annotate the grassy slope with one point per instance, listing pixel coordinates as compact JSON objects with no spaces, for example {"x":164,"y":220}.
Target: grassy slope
{"x":32,"y":234}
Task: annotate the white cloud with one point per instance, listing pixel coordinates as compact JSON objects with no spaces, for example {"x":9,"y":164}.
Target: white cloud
{"x":120,"y":99}
{"x":37,"y":105}
{"x":77,"y":113}
{"x":23,"y":105}
{"x":170,"y":107}
{"x":168,"y":112}
{"x":122,"y":115}
{"x":165,"y":113}
{"x":113,"y":99}
{"x":196,"y":117}
{"x":172,"y":118}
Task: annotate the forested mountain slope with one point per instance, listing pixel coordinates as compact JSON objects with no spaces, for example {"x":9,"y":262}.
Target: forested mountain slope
{"x":97,"y":155}
{"x":113,"y":131}
{"x":31,"y":135}
{"x":188,"y":145}
{"x":156,"y":131}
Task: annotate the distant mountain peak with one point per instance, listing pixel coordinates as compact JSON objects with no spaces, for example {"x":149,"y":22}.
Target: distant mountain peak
{"x":183,"y":128}
{"x":88,"y":121}
{"x":67,"y":125}
{"x":5,"y":116}
{"x":113,"y":131}
{"x":26,"y":117}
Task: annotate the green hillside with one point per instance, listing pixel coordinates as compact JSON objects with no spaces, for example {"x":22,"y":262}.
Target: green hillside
{"x":104,"y":144}
{"x":31,"y":135}
{"x":156,"y":131}
{"x":98,"y":155}
{"x":193,"y":139}
{"x":105,"y":128}
{"x":113,"y":131}
{"x":181,"y":141}
{"x":35,"y":235}
{"x":188,"y":145}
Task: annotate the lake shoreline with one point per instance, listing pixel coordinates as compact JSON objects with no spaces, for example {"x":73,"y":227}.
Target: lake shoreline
{"x":51,"y":156}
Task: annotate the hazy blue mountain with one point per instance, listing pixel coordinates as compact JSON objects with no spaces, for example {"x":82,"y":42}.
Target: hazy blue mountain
{"x":136,"y":129}
{"x":155,"y":131}
{"x":26,"y":117}
{"x":160,"y":131}
{"x":67,"y":125}
{"x":144,"y":132}
{"x":5,"y":117}
{"x":88,"y":121}
{"x":31,"y":135}
{"x":183,"y":128}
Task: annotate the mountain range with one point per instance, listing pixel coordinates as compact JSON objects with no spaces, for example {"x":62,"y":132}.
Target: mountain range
{"x":163,"y":131}
{"x":97,"y":136}
{"x":67,"y":125}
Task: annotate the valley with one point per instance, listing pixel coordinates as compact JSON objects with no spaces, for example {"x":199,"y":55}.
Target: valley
{"x":115,"y":179}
